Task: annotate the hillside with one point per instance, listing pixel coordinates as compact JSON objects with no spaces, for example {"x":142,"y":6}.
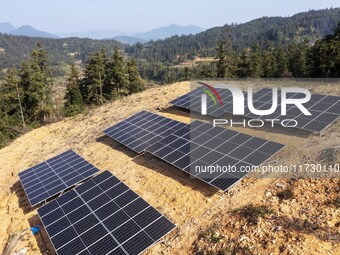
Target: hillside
{"x":305,"y":223}
{"x":311,"y":25}
{"x":15,"y":49}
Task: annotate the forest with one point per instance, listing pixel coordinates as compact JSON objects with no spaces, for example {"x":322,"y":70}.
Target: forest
{"x":26,"y":98}
{"x":304,"y":45}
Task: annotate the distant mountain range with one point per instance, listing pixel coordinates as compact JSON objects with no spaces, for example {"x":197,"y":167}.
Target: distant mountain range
{"x":129,"y":39}
{"x":7,"y":28}
{"x":168,"y":31}
{"x":134,"y":37}
{"x":124,"y":37}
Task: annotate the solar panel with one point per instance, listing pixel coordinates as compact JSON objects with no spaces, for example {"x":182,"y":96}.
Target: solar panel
{"x":324,"y":109}
{"x":192,"y":101}
{"x":142,"y":130}
{"x":55,"y":175}
{"x":102,"y":216}
{"x":200,"y":146}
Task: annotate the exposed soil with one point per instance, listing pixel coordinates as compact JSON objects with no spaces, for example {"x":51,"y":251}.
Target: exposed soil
{"x":303,"y":214}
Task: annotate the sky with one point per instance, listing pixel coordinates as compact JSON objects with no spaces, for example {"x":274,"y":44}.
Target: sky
{"x":64,"y":16}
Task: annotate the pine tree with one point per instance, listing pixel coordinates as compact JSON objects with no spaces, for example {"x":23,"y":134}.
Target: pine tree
{"x":36,"y":83}
{"x":231,"y":61}
{"x":11,"y":98}
{"x":255,"y":63}
{"x":324,"y":56}
{"x":93,"y":82}
{"x":269,"y":62}
{"x":115,"y":76}
{"x":281,"y":62}
{"x":298,"y":59}
{"x":136,"y":83}
{"x":221,"y":61}
{"x":74,"y":100}
{"x":244,"y":64}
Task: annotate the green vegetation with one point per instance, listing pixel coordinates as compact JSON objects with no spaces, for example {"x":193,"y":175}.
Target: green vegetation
{"x":73,"y":98}
{"x":329,"y":155}
{"x":265,"y":47}
{"x":108,"y":78}
{"x":252,"y":213}
{"x":18,"y":48}
{"x":25,"y":96}
{"x":298,"y":59}
{"x":26,"y":99}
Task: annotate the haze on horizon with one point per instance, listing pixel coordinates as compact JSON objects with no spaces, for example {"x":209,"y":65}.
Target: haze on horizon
{"x":138,"y":16}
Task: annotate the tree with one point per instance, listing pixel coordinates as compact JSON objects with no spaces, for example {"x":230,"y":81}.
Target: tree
{"x":281,"y":62}
{"x":136,"y":83}
{"x":36,"y":83}
{"x":74,"y":100}
{"x":269,"y":62}
{"x":11,"y":98}
{"x":298,"y":62}
{"x":255,"y":62}
{"x":115,"y":76}
{"x":221,"y":61}
{"x":231,"y":61}
{"x":325,"y":56}
{"x":93,"y":82}
{"x":243,"y":66}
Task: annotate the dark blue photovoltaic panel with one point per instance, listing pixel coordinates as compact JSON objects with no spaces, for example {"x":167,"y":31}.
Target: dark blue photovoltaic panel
{"x":97,"y":219}
{"x":55,"y":175}
{"x":142,"y":130}
{"x":199,"y":145}
{"x":325,"y":109}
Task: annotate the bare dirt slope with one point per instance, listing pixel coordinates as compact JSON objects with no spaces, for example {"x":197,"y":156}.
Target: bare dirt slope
{"x":206,"y":219}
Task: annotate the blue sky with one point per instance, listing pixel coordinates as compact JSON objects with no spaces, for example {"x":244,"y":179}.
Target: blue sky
{"x":142,"y":15}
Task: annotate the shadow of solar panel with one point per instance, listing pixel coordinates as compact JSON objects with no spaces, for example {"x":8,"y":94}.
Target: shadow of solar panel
{"x":215,"y":155}
{"x":142,"y":130}
{"x":96,"y":219}
{"x":325,"y":109}
{"x":55,"y":175}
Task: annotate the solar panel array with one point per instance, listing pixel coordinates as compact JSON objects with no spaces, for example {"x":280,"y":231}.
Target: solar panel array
{"x":199,"y":145}
{"x":55,"y":175}
{"x":142,"y":130}
{"x":102,"y":216}
{"x":324,"y":109}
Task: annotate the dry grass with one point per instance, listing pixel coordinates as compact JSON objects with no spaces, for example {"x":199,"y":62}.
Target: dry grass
{"x":191,"y":204}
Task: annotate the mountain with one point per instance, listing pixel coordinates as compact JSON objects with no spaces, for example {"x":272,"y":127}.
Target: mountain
{"x":32,"y":32}
{"x":129,"y":39}
{"x":168,"y":31}
{"x":311,"y":25}
{"x":94,"y":34}
{"x":6,"y":27}
{"x":134,"y":37}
